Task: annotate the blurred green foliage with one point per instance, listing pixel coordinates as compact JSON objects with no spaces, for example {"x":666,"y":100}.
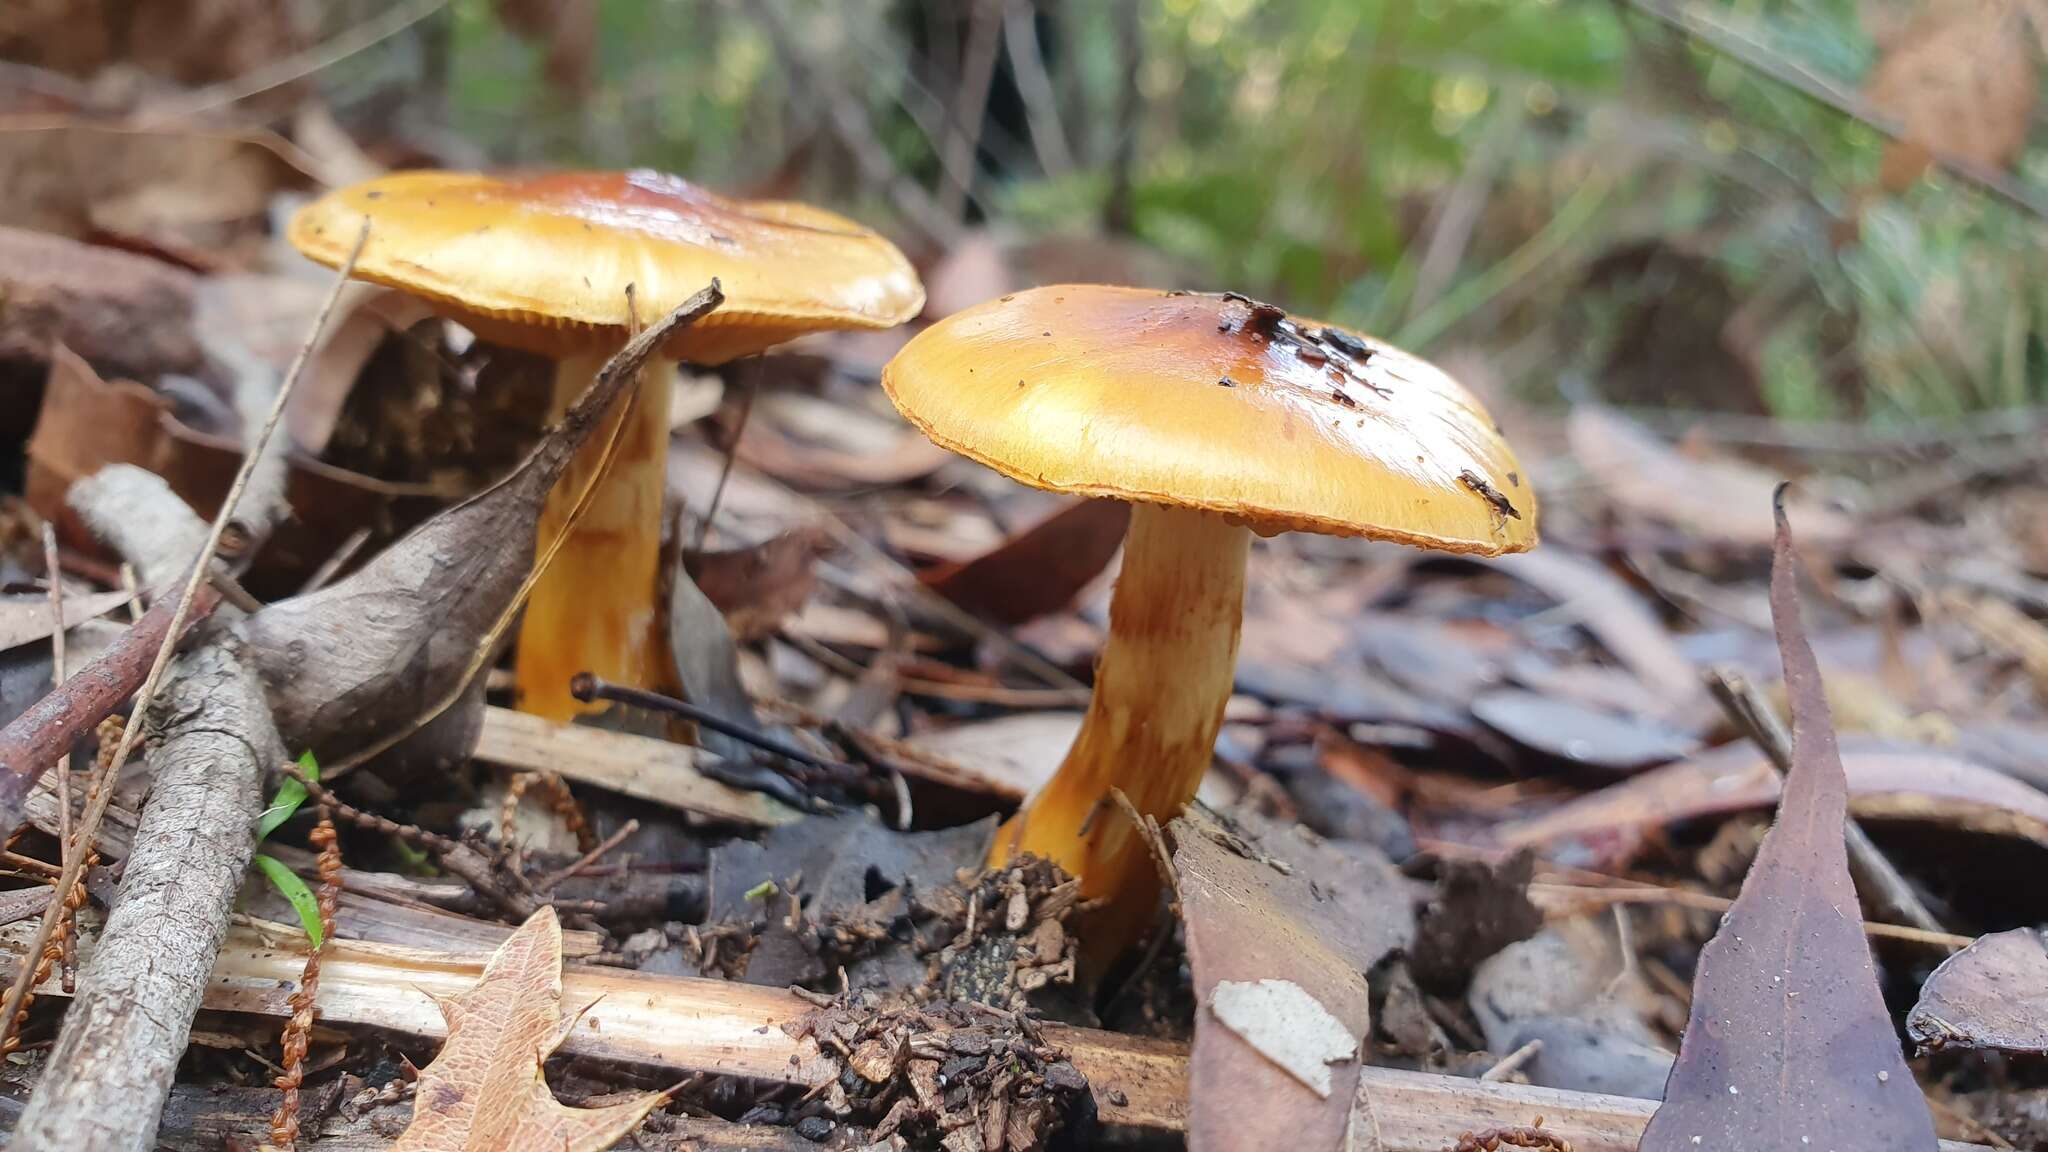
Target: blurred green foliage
{"x":1601,"y":205}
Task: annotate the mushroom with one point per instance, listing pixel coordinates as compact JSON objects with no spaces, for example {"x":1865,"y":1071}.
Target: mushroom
{"x":1217,"y":417}
{"x":544,"y":263}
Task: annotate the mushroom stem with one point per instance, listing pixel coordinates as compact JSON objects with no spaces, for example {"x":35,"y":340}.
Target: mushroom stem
{"x":594,"y":610}
{"x":1161,"y":684}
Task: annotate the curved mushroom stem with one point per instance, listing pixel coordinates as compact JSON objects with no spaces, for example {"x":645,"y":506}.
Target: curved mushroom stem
{"x":594,"y":610}
{"x":1160,"y":688}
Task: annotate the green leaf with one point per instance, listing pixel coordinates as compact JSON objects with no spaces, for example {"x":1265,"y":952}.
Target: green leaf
{"x":291,"y":887}
{"x":290,"y":795}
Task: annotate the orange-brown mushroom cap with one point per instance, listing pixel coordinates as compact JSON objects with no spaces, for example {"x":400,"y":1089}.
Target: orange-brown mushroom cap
{"x":1218,"y":403}
{"x":543,"y":261}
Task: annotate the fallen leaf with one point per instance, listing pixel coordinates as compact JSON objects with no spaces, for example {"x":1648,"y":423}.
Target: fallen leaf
{"x":1279,"y":905}
{"x":707,"y":664}
{"x":1715,"y":500}
{"x":24,"y":619}
{"x":127,"y":314}
{"x":1993,"y":994}
{"x":761,"y":585}
{"x":1886,"y":781}
{"x":1013,"y":756}
{"x":1580,"y":734}
{"x":1789,"y":1044}
{"x":834,"y":868}
{"x":191,"y":192}
{"x":87,"y":422}
{"x":810,"y":443}
{"x":1040,"y":569}
{"x":485,"y":1091}
{"x":1287,"y":1026}
{"x":1961,"y":80}
{"x":1603,"y":604}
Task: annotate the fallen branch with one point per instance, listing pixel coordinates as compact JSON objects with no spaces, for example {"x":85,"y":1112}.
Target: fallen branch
{"x":722,"y":1028}
{"x":106,"y":1081}
{"x":49,"y":728}
{"x":138,"y":991}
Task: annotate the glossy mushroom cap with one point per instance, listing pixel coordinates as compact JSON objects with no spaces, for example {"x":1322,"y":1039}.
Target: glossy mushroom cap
{"x":543,"y":261}
{"x":1218,"y":403}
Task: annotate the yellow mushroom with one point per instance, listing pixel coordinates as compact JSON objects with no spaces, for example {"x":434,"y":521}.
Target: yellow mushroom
{"x":1217,"y":417}
{"x":543,"y":262}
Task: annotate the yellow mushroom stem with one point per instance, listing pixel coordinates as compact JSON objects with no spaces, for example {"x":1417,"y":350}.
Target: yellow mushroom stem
{"x":594,"y":609}
{"x":1161,"y":684}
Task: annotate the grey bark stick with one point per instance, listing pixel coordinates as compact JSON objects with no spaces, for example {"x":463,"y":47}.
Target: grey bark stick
{"x":111,"y":1071}
{"x":104,"y":1086}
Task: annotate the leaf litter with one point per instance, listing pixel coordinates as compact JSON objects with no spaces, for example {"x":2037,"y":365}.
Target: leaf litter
{"x":1435,"y":707}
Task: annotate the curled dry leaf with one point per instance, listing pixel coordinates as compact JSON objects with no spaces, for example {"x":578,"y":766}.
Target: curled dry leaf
{"x":1040,"y":569}
{"x":485,"y":1091}
{"x":1280,"y":906}
{"x":365,"y":656}
{"x":1993,"y":994}
{"x":1789,"y":1044}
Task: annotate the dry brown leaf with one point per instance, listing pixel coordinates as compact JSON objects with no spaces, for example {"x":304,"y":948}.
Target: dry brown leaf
{"x":759,"y":586}
{"x":485,"y":1091}
{"x":1278,"y":905}
{"x":127,"y":314}
{"x":1714,"y":500}
{"x":1040,"y":569}
{"x":87,"y":422}
{"x":1789,"y":1044}
{"x":1961,"y":79}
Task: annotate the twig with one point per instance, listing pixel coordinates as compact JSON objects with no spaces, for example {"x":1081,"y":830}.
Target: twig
{"x":102,"y":794}
{"x":970,"y":103}
{"x":34,"y":740}
{"x":1147,"y":829}
{"x":298,"y":65}
{"x":549,"y":882}
{"x":1041,"y":104}
{"x":1509,"y":1063}
{"x":586,"y":687}
{"x":1889,"y":895}
{"x":134,"y":591}
{"x":732,"y":452}
{"x":57,"y":681}
{"x":336,"y":560}
{"x":851,"y":124}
